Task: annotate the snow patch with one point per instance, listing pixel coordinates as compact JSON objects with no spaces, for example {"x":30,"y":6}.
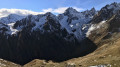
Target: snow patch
{"x":40,"y":23}
{"x":104,"y":65}
{"x":71,"y":25}
{"x":84,"y":27}
{"x":11,"y":18}
{"x":101,"y":24}
{"x":93,"y":27}
{"x":65,"y":24}
{"x":12,"y":31}
{"x":90,"y":29}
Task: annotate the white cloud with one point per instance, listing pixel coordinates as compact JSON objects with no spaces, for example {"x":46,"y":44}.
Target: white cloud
{"x":78,"y":9}
{"x":47,"y":10}
{"x":60,"y":10}
{"x":5,"y":12}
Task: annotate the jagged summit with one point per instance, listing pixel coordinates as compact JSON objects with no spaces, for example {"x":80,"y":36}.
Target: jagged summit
{"x":48,"y":13}
{"x":93,"y":10}
{"x":115,"y":4}
{"x":90,"y":13}
{"x":70,"y":10}
{"x":107,"y":12}
{"x":114,"y":7}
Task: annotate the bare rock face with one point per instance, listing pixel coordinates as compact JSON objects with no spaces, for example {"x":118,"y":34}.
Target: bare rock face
{"x":105,"y":25}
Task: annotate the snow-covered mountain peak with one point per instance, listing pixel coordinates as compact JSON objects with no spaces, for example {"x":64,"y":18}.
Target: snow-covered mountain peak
{"x":73,"y":21}
{"x":11,"y":18}
{"x":50,"y":15}
{"x":70,"y":10}
{"x":93,"y":9}
{"x":89,"y":13}
{"x":112,"y":8}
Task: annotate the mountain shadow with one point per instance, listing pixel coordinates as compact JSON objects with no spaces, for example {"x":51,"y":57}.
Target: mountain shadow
{"x":25,"y":48}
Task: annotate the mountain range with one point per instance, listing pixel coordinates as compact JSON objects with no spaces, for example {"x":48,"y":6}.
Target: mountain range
{"x":47,"y":36}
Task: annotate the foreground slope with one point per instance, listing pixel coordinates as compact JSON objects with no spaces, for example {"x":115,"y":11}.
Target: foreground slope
{"x":5,"y":63}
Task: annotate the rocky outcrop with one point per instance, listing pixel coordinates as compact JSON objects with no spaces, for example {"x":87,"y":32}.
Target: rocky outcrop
{"x":105,"y":25}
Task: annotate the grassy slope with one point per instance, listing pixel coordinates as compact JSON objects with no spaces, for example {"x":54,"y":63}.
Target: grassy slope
{"x":4,"y":63}
{"x":106,"y":54}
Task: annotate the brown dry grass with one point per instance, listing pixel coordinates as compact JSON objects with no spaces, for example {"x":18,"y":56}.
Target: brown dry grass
{"x":4,"y":63}
{"x":106,"y":54}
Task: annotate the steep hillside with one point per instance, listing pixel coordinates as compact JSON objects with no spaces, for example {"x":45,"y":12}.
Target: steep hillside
{"x":46,"y":36}
{"x":105,"y":25}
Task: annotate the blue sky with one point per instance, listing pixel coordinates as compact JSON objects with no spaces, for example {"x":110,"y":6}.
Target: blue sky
{"x":26,"y":7}
{"x":39,"y":5}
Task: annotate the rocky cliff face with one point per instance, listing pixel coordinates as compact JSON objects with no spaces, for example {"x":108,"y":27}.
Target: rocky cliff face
{"x":105,"y":25}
